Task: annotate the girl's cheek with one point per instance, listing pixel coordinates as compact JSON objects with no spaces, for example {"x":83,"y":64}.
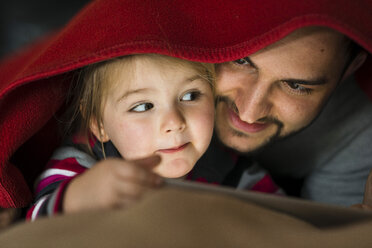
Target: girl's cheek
{"x":135,"y":139}
{"x":207,"y":112}
{"x":203,"y":118}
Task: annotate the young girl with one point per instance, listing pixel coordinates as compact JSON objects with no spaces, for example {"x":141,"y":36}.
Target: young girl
{"x":154,"y":111}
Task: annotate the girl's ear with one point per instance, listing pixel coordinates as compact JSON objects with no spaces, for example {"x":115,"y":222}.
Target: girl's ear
{"x":98,"y":130}
{"x":355,"y":64}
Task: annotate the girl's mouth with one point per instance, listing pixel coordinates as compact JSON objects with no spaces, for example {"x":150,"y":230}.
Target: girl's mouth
{"x":174,"y":149}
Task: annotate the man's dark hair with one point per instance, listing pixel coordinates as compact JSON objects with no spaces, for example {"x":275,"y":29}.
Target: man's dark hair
{"x":352,"y":50}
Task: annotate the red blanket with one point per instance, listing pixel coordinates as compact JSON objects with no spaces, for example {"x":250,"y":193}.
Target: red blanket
{"x":34,"y":82}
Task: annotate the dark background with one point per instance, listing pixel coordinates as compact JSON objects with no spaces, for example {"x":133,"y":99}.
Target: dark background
{"x":23,"y":21}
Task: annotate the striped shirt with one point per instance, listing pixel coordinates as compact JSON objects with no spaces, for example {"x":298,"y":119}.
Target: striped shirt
{"x":217,"y":166}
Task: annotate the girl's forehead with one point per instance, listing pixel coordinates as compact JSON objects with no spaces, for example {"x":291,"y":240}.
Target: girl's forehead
{"x":145,"y":66}
{"x":150,"y":71}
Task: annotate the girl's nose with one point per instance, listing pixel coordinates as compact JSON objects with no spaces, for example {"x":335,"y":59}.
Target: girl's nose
{"x":173,"y":121}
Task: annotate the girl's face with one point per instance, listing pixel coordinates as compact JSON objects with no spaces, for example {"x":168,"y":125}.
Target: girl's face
{"x":159,"y":108}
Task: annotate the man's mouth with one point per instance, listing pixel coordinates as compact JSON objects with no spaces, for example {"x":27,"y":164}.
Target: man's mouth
{"x":174,"y":149}
{"x":244,"y":126}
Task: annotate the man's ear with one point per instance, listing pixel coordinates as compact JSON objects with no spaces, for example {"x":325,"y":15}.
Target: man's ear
{"x":355,"y":64}
{"x":98,"y":130}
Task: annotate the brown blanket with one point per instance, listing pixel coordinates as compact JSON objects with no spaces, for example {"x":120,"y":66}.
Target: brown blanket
{"x":179,"y":218}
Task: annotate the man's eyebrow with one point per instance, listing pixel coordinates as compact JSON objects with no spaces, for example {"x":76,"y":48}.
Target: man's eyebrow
{"x":319,"y":81}
{"x":131,"y":92}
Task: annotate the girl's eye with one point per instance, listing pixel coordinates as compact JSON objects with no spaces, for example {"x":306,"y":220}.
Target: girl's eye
{"x":297,"y":88}
{"x":191,"y":96}
{"x":142,"y":107}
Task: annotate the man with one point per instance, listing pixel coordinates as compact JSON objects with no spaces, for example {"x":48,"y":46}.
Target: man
{"x":265,"y":97}
{"x":294,"y":107}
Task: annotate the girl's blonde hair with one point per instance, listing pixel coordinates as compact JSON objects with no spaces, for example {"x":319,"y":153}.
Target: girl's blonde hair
{"x":89,"y":94}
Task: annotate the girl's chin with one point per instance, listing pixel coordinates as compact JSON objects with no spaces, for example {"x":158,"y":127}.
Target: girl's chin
{"x":176,"y":168}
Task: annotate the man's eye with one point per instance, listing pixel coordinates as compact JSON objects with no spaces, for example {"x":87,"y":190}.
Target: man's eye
{"x":142,"y":107}
{"x":242,"y":61}
{"x":191,"y":96}
{"x":297,"y":88}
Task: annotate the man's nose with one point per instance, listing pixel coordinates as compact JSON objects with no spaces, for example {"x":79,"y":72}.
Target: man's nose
{"x":253,"y":102}
{"x":173,"y":121}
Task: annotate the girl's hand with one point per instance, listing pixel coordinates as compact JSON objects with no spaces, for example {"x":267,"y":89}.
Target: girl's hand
{"x":111,"y":183}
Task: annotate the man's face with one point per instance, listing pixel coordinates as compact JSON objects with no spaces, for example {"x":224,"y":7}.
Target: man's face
{"x":277,"y":90}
